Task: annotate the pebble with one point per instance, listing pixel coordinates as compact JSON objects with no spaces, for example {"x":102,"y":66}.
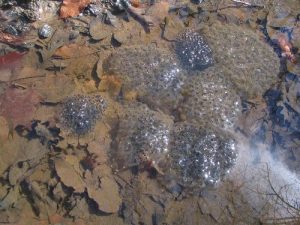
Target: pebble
{"x":45,"y":31}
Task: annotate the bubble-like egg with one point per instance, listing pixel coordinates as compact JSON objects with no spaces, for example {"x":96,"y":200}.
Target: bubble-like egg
{"x":211,"y":98}
{"x":142,"y":137}
{"x":153,"y":73}
{"x":193,"y":51}
{"x":80,"y":112}
{"x":200,"y":156}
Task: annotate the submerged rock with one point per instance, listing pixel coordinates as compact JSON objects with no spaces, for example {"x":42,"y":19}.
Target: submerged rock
{"x":151,"y":72}
{"x":142,"y":138}
{"x":209,"y":97}
{"x":45,"y":31}
{"x":79,"y":113}
{"x":246,"y":60}
{"x":199,"y":156}
{"x":193,"y":51}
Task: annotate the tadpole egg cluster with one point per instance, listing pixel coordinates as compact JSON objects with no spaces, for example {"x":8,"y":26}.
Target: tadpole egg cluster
{"x":189,"y":97}
{"x":211,"y":98}
{"x":153,"y":73}
{"x":143,"y":137}
{"x":193,"y":51}
{"x":79,"y":113}
{"x":200,"y":156}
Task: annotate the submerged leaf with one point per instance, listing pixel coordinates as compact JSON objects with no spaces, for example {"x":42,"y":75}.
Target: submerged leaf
{"x":70,"y":8}
{"x":69,"y":174}
{"x":18,"y":106}
{"x":9,"y":38}
{"x":10,"y":59}
{"x":106,"y":195}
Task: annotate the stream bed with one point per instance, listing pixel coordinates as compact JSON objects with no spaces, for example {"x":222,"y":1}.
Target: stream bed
{"x":149,"y":112}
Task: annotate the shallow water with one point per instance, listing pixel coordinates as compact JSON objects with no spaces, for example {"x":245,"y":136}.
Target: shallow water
{"x":192,"y":120}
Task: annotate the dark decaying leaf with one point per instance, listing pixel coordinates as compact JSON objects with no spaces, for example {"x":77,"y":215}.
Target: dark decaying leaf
{"x":10,"y":59}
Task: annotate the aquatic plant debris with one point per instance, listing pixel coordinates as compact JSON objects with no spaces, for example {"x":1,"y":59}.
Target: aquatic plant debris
{"x":80,"y":112}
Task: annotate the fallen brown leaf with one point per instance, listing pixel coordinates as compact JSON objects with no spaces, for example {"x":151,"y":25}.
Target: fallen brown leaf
{"x":18,"y":106}
{"x":106,"y":195}
{"x":70,"y":8}
{"x":11,"y":59}
{"x":54,"y":88}
{"x":111,"y":84}
{"x":69,"y":176}
{"x":55,"y":219}
{"x":286,"y":48}
{"x":71,"y":50}
{"x":9,"y":38}
{"x":4,"y":131}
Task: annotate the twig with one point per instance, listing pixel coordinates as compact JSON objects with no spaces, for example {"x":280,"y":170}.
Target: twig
{"x":137,"y":14}
{"x":23,"y":78}
{"x":247,"y":3}
{"x":278,"y":195}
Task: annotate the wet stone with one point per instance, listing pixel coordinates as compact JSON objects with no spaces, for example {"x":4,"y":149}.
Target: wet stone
{"x":45,"y":31}
{"x":152,"y":72}
{"x":193,"y":51}
{"x":200,"y":156}
{"x":120,"y":37}
{"x":79,"y":113}
{"x":98,"y":30}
